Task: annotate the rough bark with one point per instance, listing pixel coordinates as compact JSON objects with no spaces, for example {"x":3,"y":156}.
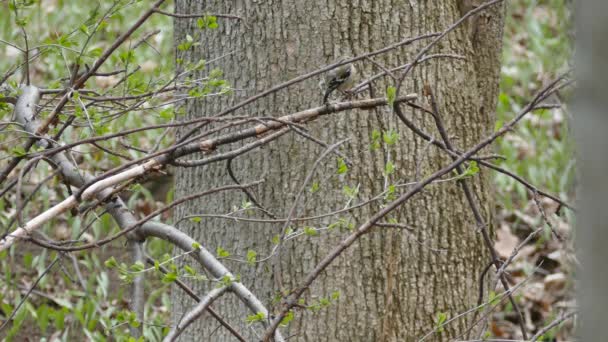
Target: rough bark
{"x":391,"y":286}
{"x":590,"y":126}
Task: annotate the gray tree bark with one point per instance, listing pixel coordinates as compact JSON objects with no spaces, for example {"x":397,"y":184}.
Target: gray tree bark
{"x":591,"y":125}
{"x":391,"y":286}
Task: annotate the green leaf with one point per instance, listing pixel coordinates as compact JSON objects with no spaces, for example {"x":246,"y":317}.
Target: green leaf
{"x":310,"y":231}
{"x":211,"y":21}
{"x":472,"y":169}
{"x":18,"y":151}
{"x":246,"y":205}
{"x":389,"y":168}
{"x":288,"y":318}
{"x":314,"y":187}
{"x":137,"y":267}
{"x":391,"y":93}
{"x":200,"y":22}
{"x":390,"y":193}
{"x":111,"y":262}
{"x":59,"y":319}
{"x":440,"y":319}
{"x":226,"y":281}
{"x":376,"y":135}
{"x":222,"y":253}
{"x":342,"y":167}
{"x":350,"y":192}
{"x":167,"y":114}
{"x":251,"y":257}
{"x":493,"y":298}
{"x":84,"y":29}
{"x":191,"y":271}
{"x":390,"y":137}
{"x":196,"y":246}
{"x":95,"y":52}
{"x":169,"y":277}
{"x":27,"y":259}
{"x":196,"y":219}
{"x":42,"y":317}
{"x":258,"y":317}
{"x":21,"y":22}
{"x":498,"y":125}
{"x":335,"y":295}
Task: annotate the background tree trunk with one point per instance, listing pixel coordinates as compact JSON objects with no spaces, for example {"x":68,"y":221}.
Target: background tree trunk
{"x":590,"y":126}
{"x":391,"y":286}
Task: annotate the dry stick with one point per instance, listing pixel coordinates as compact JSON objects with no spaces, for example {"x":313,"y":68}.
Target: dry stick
{"x":322,"y":143}
{"x":360,"y":87}
{"x":486,"y":315}
{"x":501,"y":298}
{"x":194,"y":296}
{"x":29,"y":198}
{"x":438,"y":38}
{"x":544,"y":216}
{"x":145,"y":219}
{"x":208,"y":261}
{"x":516,"y":250}
{"x":480,"y":161}
{"x":277,"y":260}
{"x":288,"y":304}
{"x":144,"y":38}
{"x":481,"y":225}
{"x":137,"y":303}
{"x":234,"y":153}
{"x":27,"y":294}
{"x":551,"y":325}
{"x":26,"y":168}
{"x":197,"y":15}
{"x":195,"y":313}
{"x":93,"y":186}
{"x":77,"y":84}
{"x":247,"y":192}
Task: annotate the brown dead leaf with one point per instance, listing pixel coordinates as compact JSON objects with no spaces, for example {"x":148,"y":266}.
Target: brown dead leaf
{"x":505,"y":241}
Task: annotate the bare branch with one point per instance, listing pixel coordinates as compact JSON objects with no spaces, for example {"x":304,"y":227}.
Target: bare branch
{"x":195,"y":313}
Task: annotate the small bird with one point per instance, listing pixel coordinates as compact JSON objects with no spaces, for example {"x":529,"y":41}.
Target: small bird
{"x":341,"y":78}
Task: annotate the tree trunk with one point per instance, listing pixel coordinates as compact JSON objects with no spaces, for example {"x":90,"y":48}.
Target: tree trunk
{"x":392,"y":284}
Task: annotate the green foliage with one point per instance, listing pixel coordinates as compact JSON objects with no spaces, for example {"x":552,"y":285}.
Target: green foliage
{"x":222,"y":253}
{"x":537,"y":48}
{"x":391,"y":93}
{"x":207,"y":22}
{"x":323,"y":302}
{"x":471,"y":170}
{"x":314,"y":187}
{"x":288,"y":318}
{"x":390,"y":137}
{"x":376,"y":135}
{"x":342,"y":167}
{"x":251,"y":257}
{"x":258,"y":317}
{"x":350,"y":192}
{"x":439,"y":320}
{"x":310,"y":231}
